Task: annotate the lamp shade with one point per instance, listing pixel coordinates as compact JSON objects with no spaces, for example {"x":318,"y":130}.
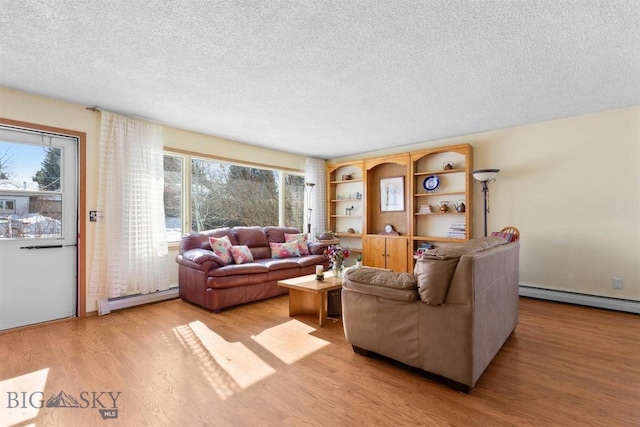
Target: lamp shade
{"x":484,"y":175}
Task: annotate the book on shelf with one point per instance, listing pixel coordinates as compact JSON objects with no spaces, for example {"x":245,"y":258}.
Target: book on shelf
{"x":457,"y":230}
{"x":456,"y":235}
{"x":425,"y":245}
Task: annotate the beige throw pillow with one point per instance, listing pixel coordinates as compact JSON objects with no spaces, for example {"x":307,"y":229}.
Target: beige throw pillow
{"x":435,"y":267}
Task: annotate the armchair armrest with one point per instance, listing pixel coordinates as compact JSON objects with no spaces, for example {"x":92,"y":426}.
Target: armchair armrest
{"x":384,"y":284}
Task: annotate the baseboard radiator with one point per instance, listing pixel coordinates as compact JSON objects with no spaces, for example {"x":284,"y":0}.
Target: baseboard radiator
{"x":106,"y":305}
{"x":617,"y":304}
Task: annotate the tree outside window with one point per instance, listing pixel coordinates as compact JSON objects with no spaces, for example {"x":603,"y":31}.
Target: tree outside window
{"x":224,"y":195}
{"x":228,"y":195}
{"x":294,"y":201}
{"x":173,"y":166}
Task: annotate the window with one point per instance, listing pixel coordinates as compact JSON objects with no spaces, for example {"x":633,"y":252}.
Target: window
{"x":219,"y":194}
{"x":224,"y":195}
{"x":294,"y":201}
{"x":31,"y":197}
{"x":173,"y":170}
{"x":7,"y":206}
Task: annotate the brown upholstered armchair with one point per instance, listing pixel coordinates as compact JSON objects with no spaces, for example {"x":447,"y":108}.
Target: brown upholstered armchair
{"x":449,"y":318}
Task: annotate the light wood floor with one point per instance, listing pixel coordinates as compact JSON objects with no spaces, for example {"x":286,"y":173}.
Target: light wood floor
{"x":179,"y":365}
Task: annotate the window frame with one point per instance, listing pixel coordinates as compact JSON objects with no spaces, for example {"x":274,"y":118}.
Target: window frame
{"x":187,"y":158}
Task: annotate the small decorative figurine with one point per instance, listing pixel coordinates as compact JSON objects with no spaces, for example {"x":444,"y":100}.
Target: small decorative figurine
{"x":448,"y":165}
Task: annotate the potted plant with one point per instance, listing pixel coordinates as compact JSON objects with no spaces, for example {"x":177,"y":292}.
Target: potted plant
{"x":359,"y":261}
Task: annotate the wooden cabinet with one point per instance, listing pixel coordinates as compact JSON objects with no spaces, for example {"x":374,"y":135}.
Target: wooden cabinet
{"x":378,"y":215}
{"x":358,"y":200}
{"x":390,"y":252}
{"x":438,"y":215}
{"x":385,"y":251}
{"x":345,"y":199}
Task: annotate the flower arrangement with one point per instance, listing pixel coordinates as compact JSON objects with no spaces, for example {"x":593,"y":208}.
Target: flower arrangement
{"x":337,"y":255}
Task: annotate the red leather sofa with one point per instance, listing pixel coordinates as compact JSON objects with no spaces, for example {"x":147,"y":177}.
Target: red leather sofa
{"x":206,"y":280}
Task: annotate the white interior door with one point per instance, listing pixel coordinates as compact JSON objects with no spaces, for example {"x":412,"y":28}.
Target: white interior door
{"x":38,"y":227}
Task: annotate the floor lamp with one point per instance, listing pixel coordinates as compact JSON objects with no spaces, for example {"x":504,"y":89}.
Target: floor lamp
{"x":309,"y":188}
{"x":484,"y":177}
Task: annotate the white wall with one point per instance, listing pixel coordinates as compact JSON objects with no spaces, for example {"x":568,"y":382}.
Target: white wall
{"x":26,"y":107}
{"x":572,"y":187}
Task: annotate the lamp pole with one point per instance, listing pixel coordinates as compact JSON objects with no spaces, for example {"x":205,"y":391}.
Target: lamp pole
{"x":484,"y":177}
{"x":309,"y":188}
{"x":485,"y":190}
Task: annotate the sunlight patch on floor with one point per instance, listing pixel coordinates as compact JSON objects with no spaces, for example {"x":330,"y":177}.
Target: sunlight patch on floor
{"x":217,"y":378}
{"x":22,"y":397}
{"x":234,"y":367}
{"x":290,"y":341}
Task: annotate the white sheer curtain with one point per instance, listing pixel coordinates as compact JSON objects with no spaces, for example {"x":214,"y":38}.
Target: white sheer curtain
{"x":130,"y":251}
{"x":315,"y":172}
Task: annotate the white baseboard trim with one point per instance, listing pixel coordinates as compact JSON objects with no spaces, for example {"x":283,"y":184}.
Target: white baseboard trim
{"x":581,"y":299}
{"x":106,"y":305}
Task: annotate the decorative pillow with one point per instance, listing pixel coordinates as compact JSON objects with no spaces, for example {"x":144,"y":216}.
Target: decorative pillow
{"x":241,"y":254}
{"x":434,"y":269}
{"x":506,"y":236}
{"x":284,"y":250}
{"x":433,"y":277}
{"x":301,"y":239}
{"x":221,"y":247}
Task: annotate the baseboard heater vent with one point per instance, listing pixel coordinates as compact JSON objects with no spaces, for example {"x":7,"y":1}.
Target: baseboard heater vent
{"x":106,"y":305}
{"x":617,"y":304}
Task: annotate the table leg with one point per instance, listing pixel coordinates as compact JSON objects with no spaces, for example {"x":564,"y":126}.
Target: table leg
{"x":302,"y":302}
{"x":316,"y":304}
{"x":322,"y":311}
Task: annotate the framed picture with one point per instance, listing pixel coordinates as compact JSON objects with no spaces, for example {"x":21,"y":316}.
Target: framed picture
{"x":392,"y":194}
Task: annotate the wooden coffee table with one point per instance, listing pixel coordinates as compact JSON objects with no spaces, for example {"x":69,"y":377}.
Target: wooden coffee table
{"x":309,"y":296}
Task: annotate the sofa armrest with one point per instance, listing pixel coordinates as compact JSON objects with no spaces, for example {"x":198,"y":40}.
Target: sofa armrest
{"x":316,"y":248}
{"x":384,"y":284}
{"x":200,"y":259}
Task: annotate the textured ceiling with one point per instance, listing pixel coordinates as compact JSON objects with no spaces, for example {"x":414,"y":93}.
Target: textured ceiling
{"x":328,"y":78}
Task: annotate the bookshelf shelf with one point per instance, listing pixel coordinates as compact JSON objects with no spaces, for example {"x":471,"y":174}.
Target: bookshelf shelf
{"x":443,"y":193}
{"x":345,"y":181}
{"x":344,"y":195}
{"x":439,"y":172}
{"x":439,"y":213}
{"x":454,"y":185}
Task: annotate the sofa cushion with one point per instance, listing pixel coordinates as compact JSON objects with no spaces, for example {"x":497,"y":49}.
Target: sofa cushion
{"x":301,"y":238}
{"x":280,"y":264}
{"x":276,"y":234}
{"x":221,"y":247}
{"x":249,"y":268}
{"x":434,"y":269}
{"x":254,"y":238}
{"x":379,"y":277}
{"x":284,"y":250}
{"x":201,"y":239}
{"x":381,"y":283}
{"x":309,"y":260}
{"x":251,"y":236}
{"x":241,"y":254}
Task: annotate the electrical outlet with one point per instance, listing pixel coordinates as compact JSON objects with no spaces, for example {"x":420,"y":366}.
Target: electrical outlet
{"x":617,"y":283}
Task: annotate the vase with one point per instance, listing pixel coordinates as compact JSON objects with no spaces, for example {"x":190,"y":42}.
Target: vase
{"x":337,"y":271}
